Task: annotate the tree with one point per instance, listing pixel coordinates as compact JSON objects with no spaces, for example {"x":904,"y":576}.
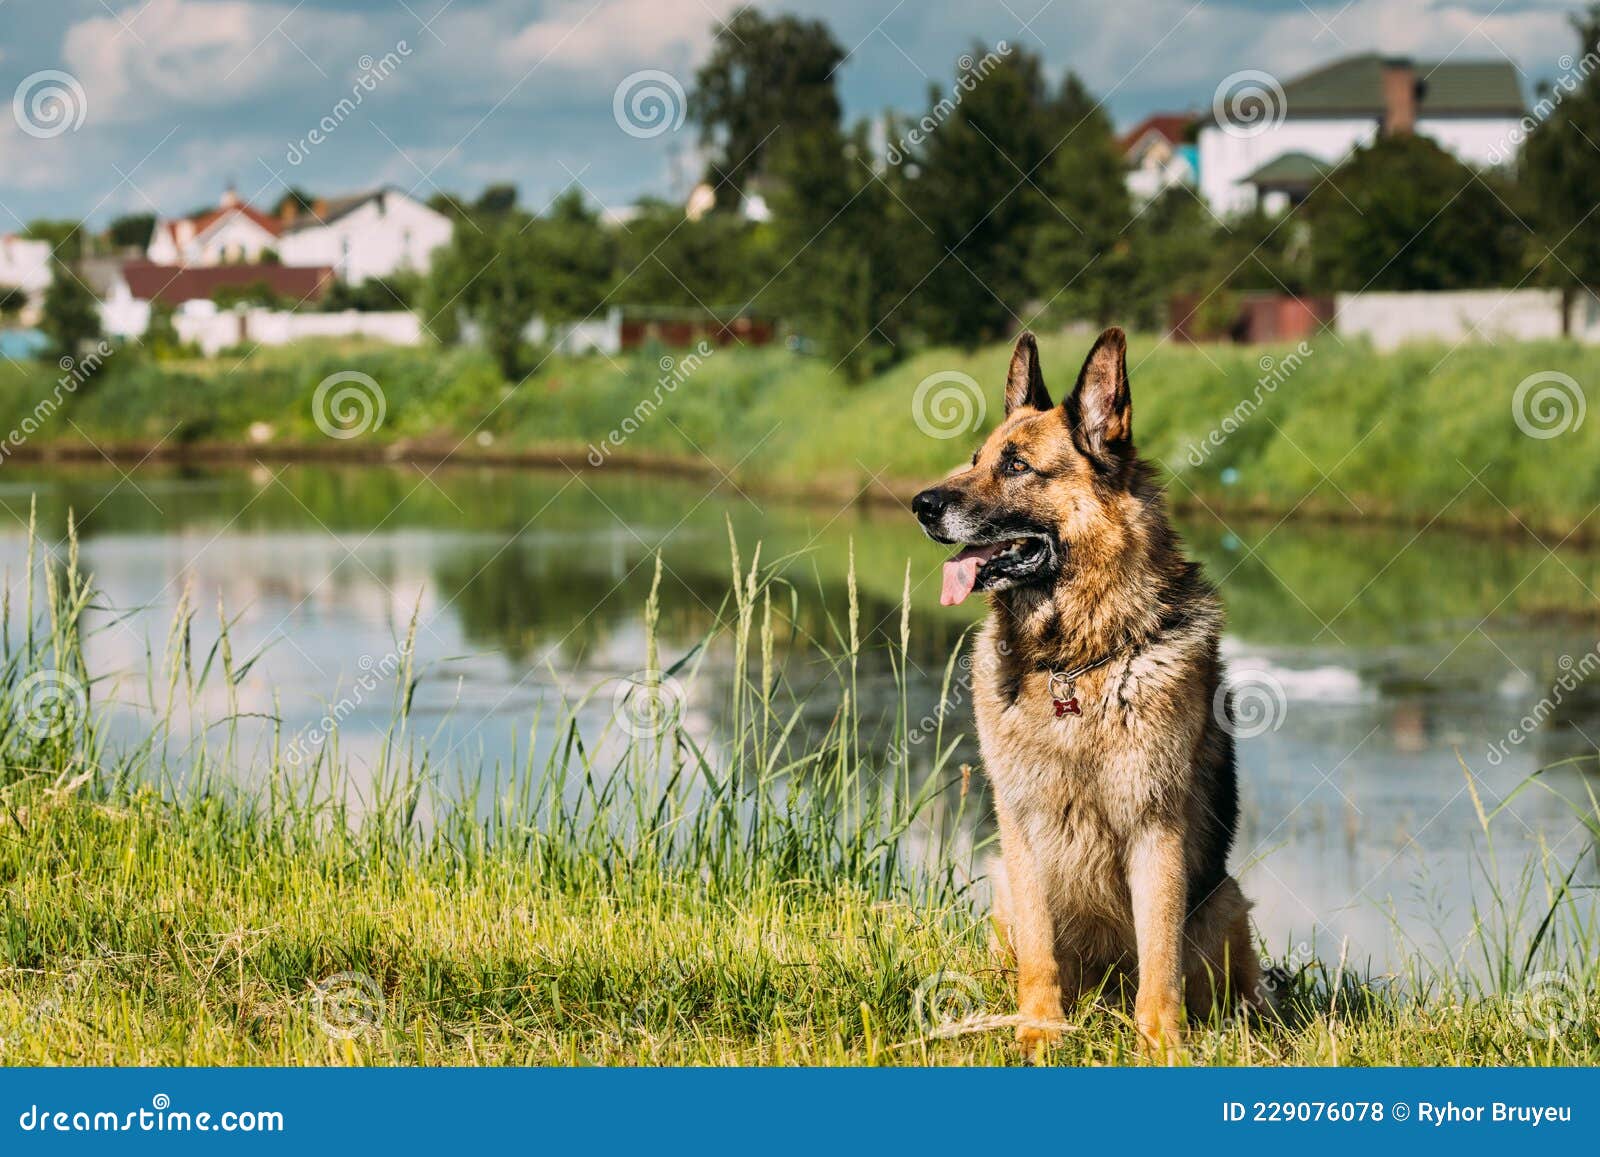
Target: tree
{"x":131,"y":230}
{"x":295,"y":197}
{"x":1174,"y":244}
{"x":66,"y":238}
{"x":1560,"y":168}
{"x":483,"y":276}
{"x":71,"y":315}
{"x":500,"y":198}
{"x":766,"y":77}
{"x":984,"y":144}
{"x":1083,"y":258}
{"x":840,"y":229}
{"x":1403,"y":214}
{"x":664,"y":259}
{"x":575,"y":257}
{"x":12,"y":299}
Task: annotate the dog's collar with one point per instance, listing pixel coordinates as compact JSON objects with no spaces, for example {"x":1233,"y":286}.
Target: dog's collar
{"x":1063,"y":684}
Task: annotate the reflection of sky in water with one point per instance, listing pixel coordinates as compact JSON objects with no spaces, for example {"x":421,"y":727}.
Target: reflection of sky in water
{"x":1357,"y":824}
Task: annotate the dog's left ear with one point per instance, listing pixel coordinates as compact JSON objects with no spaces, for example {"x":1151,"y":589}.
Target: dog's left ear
{"x":1025,"y":382}
{"x":1100,"y":409}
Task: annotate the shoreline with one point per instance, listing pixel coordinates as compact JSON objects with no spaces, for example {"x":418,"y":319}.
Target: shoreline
{"x":872,"y":493}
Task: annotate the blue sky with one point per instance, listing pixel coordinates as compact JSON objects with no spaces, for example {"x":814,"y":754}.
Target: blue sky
{"x":177,"y":97}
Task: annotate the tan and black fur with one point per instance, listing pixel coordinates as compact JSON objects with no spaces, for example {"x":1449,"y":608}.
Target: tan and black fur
{"x":1115,"y":825}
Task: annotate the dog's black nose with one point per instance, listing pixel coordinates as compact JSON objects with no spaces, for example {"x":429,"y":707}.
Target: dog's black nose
{"x":929,"y":505}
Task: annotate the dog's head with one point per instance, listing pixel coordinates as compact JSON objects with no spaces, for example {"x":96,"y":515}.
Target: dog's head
{"x":1048,"y":483}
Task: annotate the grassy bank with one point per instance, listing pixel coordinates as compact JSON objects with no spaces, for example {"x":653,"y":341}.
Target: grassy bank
{"x":1425,"y":433}
{"x":647,"y":895}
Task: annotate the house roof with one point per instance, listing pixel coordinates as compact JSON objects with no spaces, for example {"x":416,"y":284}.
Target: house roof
{"x":207,"y":220}
{"x":174,"y":284}
{"x":1170,"y":126}
{"x":330,"y":209}
{"x":1288,"y":170}
{"x":1353,"y":87}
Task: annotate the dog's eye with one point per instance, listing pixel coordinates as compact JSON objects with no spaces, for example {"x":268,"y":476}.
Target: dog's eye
{"x":1016,"y":466}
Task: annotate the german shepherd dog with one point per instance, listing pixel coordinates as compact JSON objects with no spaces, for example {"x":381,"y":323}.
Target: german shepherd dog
{"x":1094,"y":681}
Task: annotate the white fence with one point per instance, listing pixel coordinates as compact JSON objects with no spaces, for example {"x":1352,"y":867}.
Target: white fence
{"x":1483,"y":315}
{"x":223,"y":328}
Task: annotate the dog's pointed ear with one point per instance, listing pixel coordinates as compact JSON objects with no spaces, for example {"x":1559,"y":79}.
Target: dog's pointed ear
{"x":1025,"y":382}
{"x":1100,"y":409}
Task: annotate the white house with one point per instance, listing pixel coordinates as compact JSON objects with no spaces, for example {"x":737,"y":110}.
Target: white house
{"x":1470,"y":107}
{"x":371,"y":234}
{"x":232,"y":233}
{"x":1158,"y":155}
{"x":25,"y":265}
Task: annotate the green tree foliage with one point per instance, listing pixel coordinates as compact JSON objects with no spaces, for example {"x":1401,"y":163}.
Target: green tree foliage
{"x":71,"y":315}
{"x":976,"y":198}
{"x":1560,"y":167}
{"x":12,"y":299}
{"x":1083,"y":257}
{"x":501,"y":198}
{"x":66,"y":238}
{"x":840,"y":230}
{"x":1174,"y":252}
{"x":766,"y":77}
{"x":131,"y":231}
{"x":1403,"y":214}
{"x":504,"y":268}
{"x":720,"y":262}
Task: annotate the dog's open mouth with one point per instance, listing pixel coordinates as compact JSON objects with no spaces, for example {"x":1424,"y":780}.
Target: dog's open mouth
{"x":985,"y":565}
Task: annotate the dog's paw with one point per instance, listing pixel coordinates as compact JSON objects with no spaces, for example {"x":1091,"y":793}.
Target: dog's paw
{"x":1160,"y":1031}
{"x":1034,"y":1040}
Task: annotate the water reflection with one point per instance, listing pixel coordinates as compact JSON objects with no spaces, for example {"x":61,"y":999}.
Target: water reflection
{"x":1400,"y":657}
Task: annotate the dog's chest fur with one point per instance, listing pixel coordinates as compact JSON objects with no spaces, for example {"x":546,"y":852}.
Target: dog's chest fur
{"x":1077,"y":787}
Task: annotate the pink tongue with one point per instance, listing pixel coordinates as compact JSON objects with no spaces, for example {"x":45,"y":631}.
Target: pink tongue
{"x":961,"y":573}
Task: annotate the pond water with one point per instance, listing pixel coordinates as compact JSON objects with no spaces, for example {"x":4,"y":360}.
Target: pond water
{"x":1397,"y":660}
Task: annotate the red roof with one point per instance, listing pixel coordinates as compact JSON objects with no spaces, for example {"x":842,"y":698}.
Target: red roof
{"x":174,"y":284}
{"x":205,"y":221}
{"x":1172,"y":126}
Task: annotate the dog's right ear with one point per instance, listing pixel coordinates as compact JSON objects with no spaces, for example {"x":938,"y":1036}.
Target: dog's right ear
{"x":1025,"y":382}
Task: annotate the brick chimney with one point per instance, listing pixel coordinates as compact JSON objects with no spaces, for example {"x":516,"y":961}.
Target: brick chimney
{"x":1399,"y":97}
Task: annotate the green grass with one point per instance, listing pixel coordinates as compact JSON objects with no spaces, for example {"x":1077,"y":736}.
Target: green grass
{"x":1423,"y":433}
{"x":754,"y":898}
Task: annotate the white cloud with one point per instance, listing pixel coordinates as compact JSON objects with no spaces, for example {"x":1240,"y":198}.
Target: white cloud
{"x":616,"y":34}
{"x":175,"y":53}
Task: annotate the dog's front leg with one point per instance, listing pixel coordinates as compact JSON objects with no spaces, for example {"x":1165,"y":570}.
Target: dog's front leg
{"x":1156,"y":883}
{"x":1033,"y":940}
